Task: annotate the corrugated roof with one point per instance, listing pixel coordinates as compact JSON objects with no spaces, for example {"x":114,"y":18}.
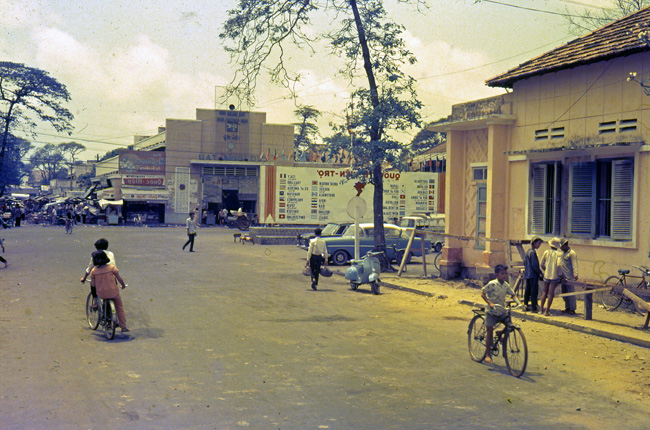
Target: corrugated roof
{"x":616,"y":39}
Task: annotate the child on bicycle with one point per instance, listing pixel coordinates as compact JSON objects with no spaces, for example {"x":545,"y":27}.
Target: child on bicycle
{"x":494,"y":293}
{"x":100,"y":245}
{"x":104,"y":277}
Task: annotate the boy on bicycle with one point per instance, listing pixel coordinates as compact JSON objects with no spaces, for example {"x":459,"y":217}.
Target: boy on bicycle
{"x":494,"y":293}
{"x":100,"y":245}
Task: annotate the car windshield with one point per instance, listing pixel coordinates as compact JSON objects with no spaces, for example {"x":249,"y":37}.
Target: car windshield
{"x":363,"y":232}
{"x":329,"y":229}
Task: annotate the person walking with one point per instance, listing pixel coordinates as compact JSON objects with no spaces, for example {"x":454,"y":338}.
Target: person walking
{"x":532,"y":275}
{"x":316,"y":257}
{"x":192,"y":226}
{"x":568,"y":270}
{"x":549,"y":266}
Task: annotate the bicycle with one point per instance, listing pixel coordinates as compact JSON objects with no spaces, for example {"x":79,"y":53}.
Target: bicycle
{"x":511,"y":338}
{"x":103,"y":314}
{"x":613,"y":299}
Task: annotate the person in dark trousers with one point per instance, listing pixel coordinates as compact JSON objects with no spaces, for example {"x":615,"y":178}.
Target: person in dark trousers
{"x":316,"y":257}
{"x":191,"y":231}
{"x":532,"y":275}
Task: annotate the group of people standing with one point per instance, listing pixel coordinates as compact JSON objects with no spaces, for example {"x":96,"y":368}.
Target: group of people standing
{"x":558,"y":263}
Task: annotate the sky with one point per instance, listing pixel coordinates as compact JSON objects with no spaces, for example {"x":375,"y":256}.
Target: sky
{"x":130,"y":64}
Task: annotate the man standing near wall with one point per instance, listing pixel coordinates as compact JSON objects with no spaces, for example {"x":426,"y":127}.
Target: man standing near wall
{"x":191,"y":231}
{"x":568,"y":263}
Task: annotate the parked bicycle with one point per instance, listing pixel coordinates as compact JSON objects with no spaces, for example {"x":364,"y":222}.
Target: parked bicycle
{"x":510,"y":338}
{"x":103,"y":313}
{"x":613,"y":299}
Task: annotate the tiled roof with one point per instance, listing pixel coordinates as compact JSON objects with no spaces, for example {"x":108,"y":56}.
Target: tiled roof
{"x":616,"y":39}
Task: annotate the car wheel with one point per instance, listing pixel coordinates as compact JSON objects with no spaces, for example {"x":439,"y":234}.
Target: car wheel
{"x":437,"y":247}
{"x":340,"y":257}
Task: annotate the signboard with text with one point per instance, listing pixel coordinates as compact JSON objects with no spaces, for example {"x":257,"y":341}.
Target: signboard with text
{"x":306,"y":195}
{"x":141,"y":163}
{"x":146,"y":181}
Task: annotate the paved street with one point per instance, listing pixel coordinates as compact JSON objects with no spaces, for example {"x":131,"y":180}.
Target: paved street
{"x":232,"y":337}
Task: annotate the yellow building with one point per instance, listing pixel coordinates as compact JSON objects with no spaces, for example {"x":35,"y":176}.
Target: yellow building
{"x":208,"y":163}
{"x":562,"y":154}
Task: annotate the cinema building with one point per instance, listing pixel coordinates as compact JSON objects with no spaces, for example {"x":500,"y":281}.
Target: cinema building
{"x":213,"y":162}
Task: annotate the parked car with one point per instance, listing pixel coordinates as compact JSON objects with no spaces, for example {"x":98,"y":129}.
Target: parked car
{"x":341,"y":249}
{"x":332,"y":229}
{"x":434,"y":224}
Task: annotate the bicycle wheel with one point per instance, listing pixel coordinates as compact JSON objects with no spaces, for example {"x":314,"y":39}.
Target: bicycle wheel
{"x":92,"y":315}
{"x":611,"y":300}
{"x":515,"y":351}
{"x":476,"y":334}
{"x":109,"y":327}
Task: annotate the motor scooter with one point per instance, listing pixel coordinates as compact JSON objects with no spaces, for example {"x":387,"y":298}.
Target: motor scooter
{"x":365,"y":271}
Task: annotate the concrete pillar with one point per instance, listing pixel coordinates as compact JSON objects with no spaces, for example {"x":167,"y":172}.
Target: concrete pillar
{"x":452,"y":253}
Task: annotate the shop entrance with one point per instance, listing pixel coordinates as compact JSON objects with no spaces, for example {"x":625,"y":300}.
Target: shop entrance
{"x":230,"y":199}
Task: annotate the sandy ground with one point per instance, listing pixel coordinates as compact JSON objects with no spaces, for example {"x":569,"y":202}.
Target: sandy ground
{"x":616,"y":364}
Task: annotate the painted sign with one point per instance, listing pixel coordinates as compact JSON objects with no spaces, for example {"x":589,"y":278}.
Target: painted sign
{"x":307,"y":195}
{"x":147,"y":181}
{"x":141,"y":163}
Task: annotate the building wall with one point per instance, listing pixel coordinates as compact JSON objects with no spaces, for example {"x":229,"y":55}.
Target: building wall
{"x":579,"y":100}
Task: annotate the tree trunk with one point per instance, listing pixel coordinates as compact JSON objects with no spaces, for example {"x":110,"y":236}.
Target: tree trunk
{"x":375,"y":134}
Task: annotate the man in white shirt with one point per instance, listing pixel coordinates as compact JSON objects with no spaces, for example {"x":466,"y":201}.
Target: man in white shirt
{"x":191,"y":231}
{"x":316,"y":257}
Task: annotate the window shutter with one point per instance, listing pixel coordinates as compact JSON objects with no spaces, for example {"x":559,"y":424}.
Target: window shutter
{"x":582,"y":199}
{"x":557,"y":203}
{"x":537,"y":198}
{"x":622,"y":189}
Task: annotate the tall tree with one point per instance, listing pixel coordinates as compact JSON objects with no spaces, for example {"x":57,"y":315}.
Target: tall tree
{"x":28,"y":95}
{"x":307,"y":129}
{"x":50,"y":161}
{"x":14,"y":170}
{"x":70,"y":151}
{"x":589,"y":20}
{"x":425,"y":140}
{"x":257,"y":32}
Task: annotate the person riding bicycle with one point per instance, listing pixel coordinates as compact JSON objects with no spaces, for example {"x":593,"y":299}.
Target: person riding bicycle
{"x":105,"y":278}
{"x":494,"y":293}
{"x":100,"y":245}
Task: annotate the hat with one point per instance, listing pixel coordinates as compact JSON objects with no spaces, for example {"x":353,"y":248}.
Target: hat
{"x":564,"y":242}
{"x":535,"y":239}
{"x":555,"y":242}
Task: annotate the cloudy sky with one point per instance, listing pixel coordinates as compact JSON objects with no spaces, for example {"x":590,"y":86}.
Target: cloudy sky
{"x":129,"y":64}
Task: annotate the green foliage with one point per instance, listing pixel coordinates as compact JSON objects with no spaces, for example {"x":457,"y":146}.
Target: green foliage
{"x":50,"y":161}
{"x":28,"y":96}
{"x":257,"y":33}
{"x":425,"y":140}
{"x":307,"y":129}
{"x":15,"y":169}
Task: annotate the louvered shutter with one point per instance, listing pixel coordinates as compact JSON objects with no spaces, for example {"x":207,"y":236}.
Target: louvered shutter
{"x":557,"y":199}
{"x":622,"y":189}
{"x":582,"y":199}
{"x":537,"y":198}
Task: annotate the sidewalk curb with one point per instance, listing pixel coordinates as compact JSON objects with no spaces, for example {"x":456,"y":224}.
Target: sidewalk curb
{"x":571,"y":326}
{"x":532,"y":317}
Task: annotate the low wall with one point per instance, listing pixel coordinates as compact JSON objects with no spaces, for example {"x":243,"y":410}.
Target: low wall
{"x":277,"y":235}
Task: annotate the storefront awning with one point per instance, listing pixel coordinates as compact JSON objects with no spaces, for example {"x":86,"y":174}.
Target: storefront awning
{"x":103,"y":203}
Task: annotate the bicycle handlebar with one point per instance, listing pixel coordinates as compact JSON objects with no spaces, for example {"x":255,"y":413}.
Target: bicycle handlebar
{"x":643,"y":269}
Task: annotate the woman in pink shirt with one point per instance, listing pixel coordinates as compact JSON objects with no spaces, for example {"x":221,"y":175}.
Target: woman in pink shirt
{"x":105,"y":277}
